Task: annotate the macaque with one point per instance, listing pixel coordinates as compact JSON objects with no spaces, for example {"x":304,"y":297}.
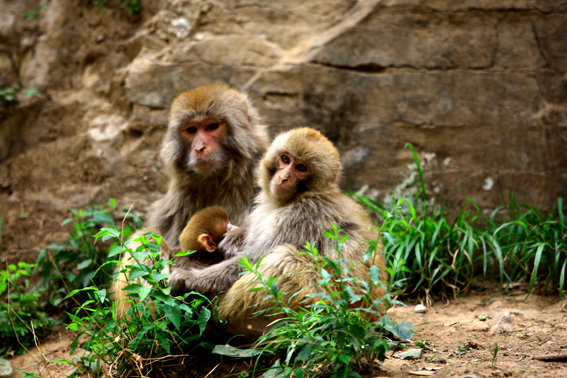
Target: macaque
{"x":211,"y":149}
{"x":298,"y":201}
{"x":203,"y":233}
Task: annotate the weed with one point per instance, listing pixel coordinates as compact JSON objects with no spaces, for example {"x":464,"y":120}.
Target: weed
{"x":463,"y":350}
{"x":133,"y":6}
{"x":72,"y":265}
{"x":21,"y":318}
{"x":157,"y":326}
{"x":494,"y":354}
{"x":435,"y":255}
{"x":8,"y":94}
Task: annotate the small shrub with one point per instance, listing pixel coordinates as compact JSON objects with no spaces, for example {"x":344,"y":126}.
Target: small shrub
{"x":72,"y":265}
{"x":21,"y":317}
{"x":157,"y":327}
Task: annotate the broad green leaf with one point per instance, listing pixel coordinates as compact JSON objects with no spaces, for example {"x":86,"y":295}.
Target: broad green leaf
{"x":204,"y":316}
{"x":173,"y":314}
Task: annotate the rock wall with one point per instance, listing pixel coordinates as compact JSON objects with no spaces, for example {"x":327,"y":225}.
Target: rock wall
{"x":477,"y":86}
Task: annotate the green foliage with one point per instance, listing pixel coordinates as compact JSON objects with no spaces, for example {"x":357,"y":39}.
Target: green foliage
{"x":8,"y":94}
{"x":133,"y":6}
{"x":435,"y":255}
{"x":72,"y":265}
{"x":20,"y":314}
{"x":157,"y":324}
{"x":32,"y":13}
{"x":335,"y":336}
{"x":494,"y":355}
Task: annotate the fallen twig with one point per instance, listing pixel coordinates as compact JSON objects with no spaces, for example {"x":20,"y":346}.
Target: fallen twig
{"x":552,"y":357}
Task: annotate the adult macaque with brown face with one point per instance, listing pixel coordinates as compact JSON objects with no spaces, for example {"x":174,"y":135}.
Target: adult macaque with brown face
{"x":299,"y":200}
{"x":211,"y":149}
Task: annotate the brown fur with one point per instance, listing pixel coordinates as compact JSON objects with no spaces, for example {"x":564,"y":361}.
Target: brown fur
{"x":210,"y":225}
{"x":228,"y":182}
{"x":277,"y":230}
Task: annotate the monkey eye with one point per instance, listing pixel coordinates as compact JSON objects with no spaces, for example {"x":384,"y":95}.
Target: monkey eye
{"x":285,"y":159}
{"x":213,"y":126}
{"x":301,"y":168}
{"x":191,"y":130}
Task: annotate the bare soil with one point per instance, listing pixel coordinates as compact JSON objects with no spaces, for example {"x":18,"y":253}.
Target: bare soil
{"x":527,"y":329}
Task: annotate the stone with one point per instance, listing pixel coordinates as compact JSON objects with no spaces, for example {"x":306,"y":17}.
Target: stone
{"x":411,"y":354}
{"x":5,"y":368}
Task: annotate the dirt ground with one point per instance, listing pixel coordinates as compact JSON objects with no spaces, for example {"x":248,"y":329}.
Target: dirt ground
{"x":527,"y":329}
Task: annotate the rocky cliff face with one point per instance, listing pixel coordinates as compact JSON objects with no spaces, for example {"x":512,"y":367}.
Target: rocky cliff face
{"x":478,"y":86}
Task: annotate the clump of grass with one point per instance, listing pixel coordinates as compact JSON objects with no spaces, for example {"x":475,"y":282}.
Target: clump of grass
{"x":436,"y":255}
{"x":531,"y":244}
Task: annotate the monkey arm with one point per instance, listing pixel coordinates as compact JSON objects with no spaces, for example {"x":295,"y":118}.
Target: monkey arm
{"x":208,"y":281}
{"x":232,"y":242}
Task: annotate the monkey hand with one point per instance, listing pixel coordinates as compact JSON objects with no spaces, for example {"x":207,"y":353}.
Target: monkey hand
{"x":232,"y":242}
{"x":209,"y":281}
{"x":178,"y":277}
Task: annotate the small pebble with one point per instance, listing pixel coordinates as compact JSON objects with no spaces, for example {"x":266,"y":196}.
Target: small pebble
{"x":420,"y":309}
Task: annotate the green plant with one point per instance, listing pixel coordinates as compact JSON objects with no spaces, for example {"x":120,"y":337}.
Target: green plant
{"x":530,"y":244}
{"x":157,"y":325}
{"x":8,"y":94}
{"x":21,"y":317}
{"x":494,"y":354}
{"x":133,"y":6}
{"x":435,"y":255}
{"x":75,"y":262}
{"x":335,"y":335}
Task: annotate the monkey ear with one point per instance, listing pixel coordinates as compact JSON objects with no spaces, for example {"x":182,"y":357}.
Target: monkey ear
{"x":208,"y":242}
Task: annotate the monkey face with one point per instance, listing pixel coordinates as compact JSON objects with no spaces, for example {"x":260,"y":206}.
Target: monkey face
{"x":291,"y":172}
{"x":204,"y":137}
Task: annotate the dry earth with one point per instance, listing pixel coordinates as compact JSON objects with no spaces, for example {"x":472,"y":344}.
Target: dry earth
{"x":534,"y":327}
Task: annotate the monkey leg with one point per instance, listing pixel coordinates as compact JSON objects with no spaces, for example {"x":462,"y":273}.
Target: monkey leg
{"x":295,"y":273}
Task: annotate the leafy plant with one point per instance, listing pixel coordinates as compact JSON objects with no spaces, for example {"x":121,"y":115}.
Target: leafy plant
{"x":32,"y":13}
{"x":72,"y":265}
{"x":21,"y":317}
{"x":435,"y":255}
{"x":8,"y":94}
{"x":156,"y":327}
{"x":336,"y":335}
{"x":133,"y":6}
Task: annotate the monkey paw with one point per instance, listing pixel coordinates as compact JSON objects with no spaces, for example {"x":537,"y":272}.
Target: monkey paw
{"x":178,"y":278}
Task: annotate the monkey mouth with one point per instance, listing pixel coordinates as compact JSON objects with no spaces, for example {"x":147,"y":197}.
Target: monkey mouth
{"x":280,"y":190}
{"x":202,"y":164}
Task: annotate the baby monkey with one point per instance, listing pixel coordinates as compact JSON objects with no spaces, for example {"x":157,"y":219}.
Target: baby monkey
{"x":203,"y":234}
